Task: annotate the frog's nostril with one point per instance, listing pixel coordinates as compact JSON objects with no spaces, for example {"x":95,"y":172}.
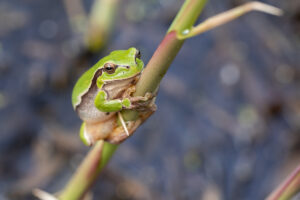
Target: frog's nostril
{"x":127,"y":67}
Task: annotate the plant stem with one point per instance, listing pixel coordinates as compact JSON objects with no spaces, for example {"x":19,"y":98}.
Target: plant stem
{"x":288,"y":188}
{"x":88,"y":171}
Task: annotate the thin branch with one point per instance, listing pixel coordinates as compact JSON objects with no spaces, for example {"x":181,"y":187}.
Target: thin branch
{"x":88,"y":171}
{"x":228,"y":16}
{"x":288,"y":188}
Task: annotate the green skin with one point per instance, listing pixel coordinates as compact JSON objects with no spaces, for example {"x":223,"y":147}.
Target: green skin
{"x":121,"y":58}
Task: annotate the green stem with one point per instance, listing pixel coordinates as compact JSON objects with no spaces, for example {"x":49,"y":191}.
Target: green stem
{"x":88,"y":171}
{"x":288,"y":188}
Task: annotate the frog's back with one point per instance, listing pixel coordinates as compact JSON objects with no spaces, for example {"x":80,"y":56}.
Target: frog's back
{"x":83,"y":84}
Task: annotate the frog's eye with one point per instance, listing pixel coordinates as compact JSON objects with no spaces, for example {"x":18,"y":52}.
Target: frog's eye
{"x":138,"y":54}
{"x":109,"y":68}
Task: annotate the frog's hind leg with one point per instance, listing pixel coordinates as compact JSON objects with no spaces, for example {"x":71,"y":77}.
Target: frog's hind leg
{"x":139,"y":103}
{"x":84,"y":136}
{"x":92,"y":132}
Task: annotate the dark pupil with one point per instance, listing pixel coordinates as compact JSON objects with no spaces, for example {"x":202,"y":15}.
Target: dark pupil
{"x":109,"y":68}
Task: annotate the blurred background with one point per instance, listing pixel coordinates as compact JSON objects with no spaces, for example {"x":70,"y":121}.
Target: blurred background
{"x":227,"y":125}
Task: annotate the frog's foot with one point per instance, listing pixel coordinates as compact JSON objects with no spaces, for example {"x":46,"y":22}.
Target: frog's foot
{"x":146,"y":107}
{"x":151,"y":108}
{"x":128,"y":92}
{"x":141,"y":102}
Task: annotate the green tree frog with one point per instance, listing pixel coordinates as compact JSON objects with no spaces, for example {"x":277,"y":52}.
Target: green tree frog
{"x":104,"y":90}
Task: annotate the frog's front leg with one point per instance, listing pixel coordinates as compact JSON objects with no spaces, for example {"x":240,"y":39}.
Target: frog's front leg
{"x":105,"y":105}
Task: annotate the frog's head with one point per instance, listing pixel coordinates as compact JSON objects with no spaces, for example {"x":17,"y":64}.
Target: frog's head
{"x":121,"y":64}
{"x":118,"y":65}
